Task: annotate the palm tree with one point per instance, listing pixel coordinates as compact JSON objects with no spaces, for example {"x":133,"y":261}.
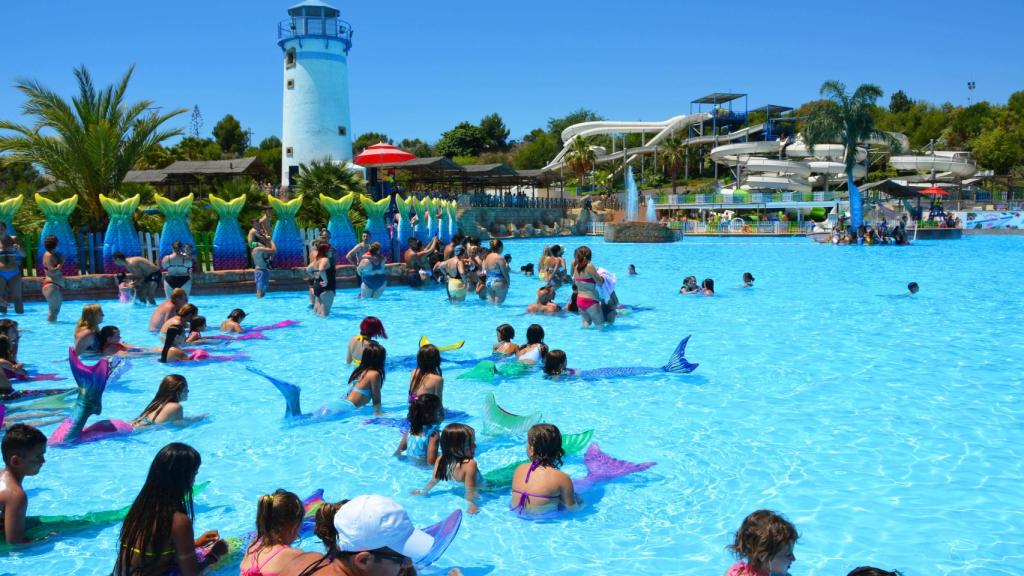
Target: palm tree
{"x":847,"y":119}
{"x":580,"y":159}
{"x":89,"y":143}
{"x":673,"y":155}
{"x":323,"y":176}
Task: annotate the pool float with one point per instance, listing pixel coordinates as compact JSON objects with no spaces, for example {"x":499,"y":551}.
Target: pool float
{"x":571,"y":443}
{"x":176,"y":214}
{"x":676,"y":363}
{"x":229,"y":248}
{"x":41,"y":529}
{"x":121,"y":235}
{"x":343,"y":236}
{"x":498,"y":421}
{"x":92,"y":381}
{"x":32,"y":376}
{"x":291,"y":251}
{"x":56,"y":224}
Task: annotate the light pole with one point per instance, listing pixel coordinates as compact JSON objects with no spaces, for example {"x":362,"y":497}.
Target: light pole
{"x":970,"y":91}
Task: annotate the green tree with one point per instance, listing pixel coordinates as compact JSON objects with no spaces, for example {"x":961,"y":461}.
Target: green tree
{"x":495,"y":132}
{"x":324,"y":176}
{"x":899,"y":102}
{"x":579,"y":159}
{"x":463,"y":140}
{"x":536,"y":150}
{"x":89,"y":143}
{"x":557,"y":125}
{"x":1000,"y":149}
{"x":367,"y":139}
{"x":672,"y":152}
{"x":416,"y":147}
{"x":190,"y":148}
{"x":968,"y":123}
{"x":230,"y":136}
{"x":847,"y":119}
{"x":269,"y":153}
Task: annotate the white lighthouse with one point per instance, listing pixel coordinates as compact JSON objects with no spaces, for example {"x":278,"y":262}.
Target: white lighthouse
{"x":315,"y":42}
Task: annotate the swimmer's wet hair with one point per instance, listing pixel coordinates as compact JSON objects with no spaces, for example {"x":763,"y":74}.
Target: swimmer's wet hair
{"x":761,"y":536}
{"x":546,"y":442}
{"x":19,"y":439}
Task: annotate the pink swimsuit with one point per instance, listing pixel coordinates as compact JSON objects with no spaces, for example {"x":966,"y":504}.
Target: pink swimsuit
{"x":257,"y":569}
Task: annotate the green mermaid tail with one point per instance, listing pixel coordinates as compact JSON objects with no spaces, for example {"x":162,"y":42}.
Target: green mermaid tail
{"x":8,"y":208}
{"x":499,"y":422}
{"x":571,"y":443}
{"x":343,"y":236}
{"x":291,"y":251}
{"x":433,"y":226}
{"x":176,"y":214}
{"x":405,"y":232}
{"x":57,"y":214}
{"x":486,"y":370}
{"x":229,"y":250}
{"x":421,"y":232}
{"x":375,"y":224}
{"x":121,"y":235}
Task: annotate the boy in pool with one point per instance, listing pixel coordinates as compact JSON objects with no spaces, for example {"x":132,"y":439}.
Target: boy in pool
{"x":748,"y":280}
{"x":912,"y":288}
{"x":24,"y":450}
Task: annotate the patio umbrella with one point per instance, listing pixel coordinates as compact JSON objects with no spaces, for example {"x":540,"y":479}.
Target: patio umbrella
{"x":934,"y":191}
{"x":381,"y":154}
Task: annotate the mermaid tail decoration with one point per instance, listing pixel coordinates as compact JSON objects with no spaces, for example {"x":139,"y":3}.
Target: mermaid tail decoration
{"x":375,"y":225}
{"x":290,"y":392}
{"x":92,"y":381}
{"x":444,"y":347}
{"x":291,"y":251}
{"x":8,"y":208}
{"x":432,"y":223}
{"x":229,"y":250}
{"x":343,"y":236}
{"x":571,"y":443}
{"x":603,"y":468}
{"x":176,"y":229}
{"x":421,"y":231}
{"x":275,"y":326}
{"x":498,"y":421}
{"x":453,"y":212}
{"x":405,"y":231}
{"x":486,"y":370}
{"x":121,"y":235}
{"x":677,"y":363}
{"x":445,"y":228}
{"x":57,"y":214}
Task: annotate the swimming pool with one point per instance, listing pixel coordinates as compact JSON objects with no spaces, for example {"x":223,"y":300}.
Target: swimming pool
{"x":888,"y":429}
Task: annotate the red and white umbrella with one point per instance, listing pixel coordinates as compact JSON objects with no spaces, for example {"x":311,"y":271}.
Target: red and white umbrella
{"x":382,"y":154}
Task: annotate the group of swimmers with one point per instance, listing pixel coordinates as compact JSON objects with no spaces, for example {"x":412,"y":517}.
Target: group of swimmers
{"x":707,"y":287}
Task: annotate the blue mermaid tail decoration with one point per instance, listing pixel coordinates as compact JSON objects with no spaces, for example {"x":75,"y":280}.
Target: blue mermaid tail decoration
{"x":57,"y":214}
{"x":176,"y":214}
{"x":343,"y":236}
{"x":293,"y":410}
{"x":291,"y":251}
{"x":229,"y":250}
{"x":92,"y":382}
{"x":405,"y":231}
{"x":121,"y":235}
{"x":453,"y":209}
{"x":421,"y":231}
{"x":8,"y":208}
{"x":677,"y":363}
{"x":432,"y":223}
{"x":445,"y":228}
{"x":375,"y":225}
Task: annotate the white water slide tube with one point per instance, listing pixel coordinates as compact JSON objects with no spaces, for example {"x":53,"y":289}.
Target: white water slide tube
{"x":958,"y":164}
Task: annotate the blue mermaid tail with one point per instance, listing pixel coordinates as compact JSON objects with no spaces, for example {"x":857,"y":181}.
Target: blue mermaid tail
{"x":56,"y":224}
{"x":291,"y":251}
{"x":677,"y":363}
{"x":176,"y":214}
{"x":343,"y":236}
{"x":289,"y":391}
{"x":121,"y":235}
{"x":229,"y":250}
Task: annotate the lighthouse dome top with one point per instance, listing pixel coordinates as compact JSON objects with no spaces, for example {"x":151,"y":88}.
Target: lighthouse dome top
{"x":314,"y":7}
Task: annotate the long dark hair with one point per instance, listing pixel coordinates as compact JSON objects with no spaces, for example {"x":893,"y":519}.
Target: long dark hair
{"x":535,"y":334}
{"x":106,"y":333}
{"x":374,"y":357}
{"x":5,"y":347}
{"x":173,"y":332}
{"x":546,"y":442}
{"x":455,"y":449}
{"x":170,"y":390}
{"x":167,"y":491}
{"x":424,"y":411}
{"x":506,"y":333}
{"x":428,"y":361}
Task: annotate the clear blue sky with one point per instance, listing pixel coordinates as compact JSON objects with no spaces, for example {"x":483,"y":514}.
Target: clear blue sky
{"x":418,"y":68}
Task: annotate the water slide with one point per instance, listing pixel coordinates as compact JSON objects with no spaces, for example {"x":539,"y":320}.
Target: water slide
{"x":942,"y":164}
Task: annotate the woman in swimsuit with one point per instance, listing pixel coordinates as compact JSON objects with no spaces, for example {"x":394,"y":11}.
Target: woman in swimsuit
{"x":534,"y":351}
{"x":585,"y":275}
{"x":556,"y":275}
{"x":11,"y":255}
{"x":367,"y":379}
{"x":542,"y":264}
{"x":53,"y":283}
{"x":454,"y":269}
{"x":539,"y":486}
{"x":458,"y":446}
{"x":373,"y":273}
{"x":427,"y":377}
{"x":157,"y":535}
{"x":178,"y":266}
{"x":87,"y":330}
{"x":166,"y":405}
{"x":323,"y":282}
{"x":371,"y":327}
{"x":505,"y":345}
{"x":278,"y":521}
{"x":496,"y":268}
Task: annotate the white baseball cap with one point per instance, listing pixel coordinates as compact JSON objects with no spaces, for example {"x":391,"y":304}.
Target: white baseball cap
{"x":372,"y":522}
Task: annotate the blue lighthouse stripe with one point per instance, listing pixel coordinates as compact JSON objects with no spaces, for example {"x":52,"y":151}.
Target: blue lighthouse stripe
{"x":320,"y":56}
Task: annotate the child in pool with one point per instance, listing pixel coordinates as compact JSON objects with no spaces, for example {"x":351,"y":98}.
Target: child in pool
{"x":233,"y":323}
{"x":539,"y":486}
{"x":458,"y":445}
{"x":278,"y":521}
{"x":195,"y":333}
{"x":555,"y":364}
{"x":422,"y":439}
{"x":370,"y":328}
{"x":872,"y":571}
{"x":766,"y":540}
{"x":912,"y":288}
{"x":110,"y":343}
{"x":748,"y":280}
{"x":24,"y":450}
{"x":505,"y":345}
{"x":125,"y":288}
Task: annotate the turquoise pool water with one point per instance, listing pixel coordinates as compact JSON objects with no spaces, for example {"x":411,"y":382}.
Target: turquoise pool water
{"x":888,"y":429}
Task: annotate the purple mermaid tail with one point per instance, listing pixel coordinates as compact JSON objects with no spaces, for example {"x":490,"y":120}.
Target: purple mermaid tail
{"x":602,"y":468}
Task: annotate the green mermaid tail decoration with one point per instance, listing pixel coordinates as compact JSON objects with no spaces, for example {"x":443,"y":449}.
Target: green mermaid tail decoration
{"x":500,"y":422}
{"x":343,"y":236}
{"x":56,"y":224}
{"x":420,"y":231}
{"x":405,"y":232}
{"x":453,"y":219}
{"x":432,"y":223}
{"x":445,"y":228}
{"x":121,"y":235}
{"x":571,"y":443}
{"x":291,"y":251}
{"x":8,"y":208}
{"x":176,"y":229}
{"x":375,"y":225}
{"x":229,"y":250}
